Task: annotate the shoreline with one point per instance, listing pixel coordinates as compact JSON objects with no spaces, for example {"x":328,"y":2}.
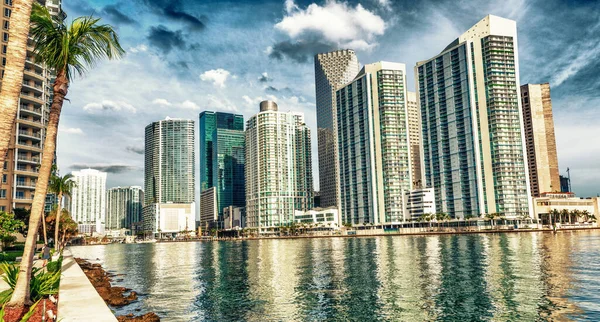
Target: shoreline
{"x":434,"y":232}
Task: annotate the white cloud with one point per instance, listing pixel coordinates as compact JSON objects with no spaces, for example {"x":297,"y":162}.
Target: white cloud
{"x":217,"y":76}
{"x":108,"y":105}
{"x":70,"y":130}
{"x":385,"y":4}
{"x":161,"y":102}
{"x":189,"y":105}
{"x":336,"y":22}
{"x":138,"y":49}
{"x":585,"y":55}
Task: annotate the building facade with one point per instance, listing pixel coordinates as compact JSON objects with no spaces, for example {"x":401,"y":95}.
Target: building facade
{"x":222,"y":157}
{"x":332,"y":70}
{"x":209,"y":214}
{"x":565,"y":184}
{"x":169,"y":176}
{"x":123,"y":207}
{"x":278,"y":168}
{"x":20,"y":170}
{"x":473,"y":136}
{"x":373,"y":145}
{"x":88,"y":198}
{"x":542,"y":157}
{"x":419,"y":202}
{"x":328,"y":218}
{"x":234,"y":217}
{"x":547,"y":202}
{"x":414,"y":135}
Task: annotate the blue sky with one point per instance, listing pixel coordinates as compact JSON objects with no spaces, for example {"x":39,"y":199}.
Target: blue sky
{"x":187,"y":56}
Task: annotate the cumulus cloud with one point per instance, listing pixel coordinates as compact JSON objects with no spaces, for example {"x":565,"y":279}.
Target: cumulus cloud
{"x":189,"y":105}
{"x":161,"y":102}
{"x":108,"y":105}
{"x":335,"y":24}
{"x":70,"y":130}
{"x":110,"y":168}
{"x":138,"y":49}
{"x":217,"y":76}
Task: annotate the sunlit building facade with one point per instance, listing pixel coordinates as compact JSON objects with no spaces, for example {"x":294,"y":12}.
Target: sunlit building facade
{"x":278,"y":168}
{"x":123,"y":207}
{"x":473,"y":136}
{"x":373,"y":145}
{"x":88,"y":198}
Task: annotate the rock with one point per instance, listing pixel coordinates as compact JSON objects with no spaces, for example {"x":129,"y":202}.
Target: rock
{"x":148,"y":317}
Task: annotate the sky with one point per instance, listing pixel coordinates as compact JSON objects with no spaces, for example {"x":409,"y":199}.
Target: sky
{"x":187,"y":56}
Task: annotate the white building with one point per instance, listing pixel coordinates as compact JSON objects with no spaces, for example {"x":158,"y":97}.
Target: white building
{"x":171,"y":218}
{"x":547,"y":202}
{"x":234,"y":217}
{"x":328,"y":217}
{"x":88,"y":198}
{"x":418,"y":202}
{"x":278,"y":167}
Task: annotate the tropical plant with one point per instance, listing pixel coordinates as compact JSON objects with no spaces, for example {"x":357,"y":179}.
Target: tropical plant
{"x":42,"y":283}
{"x":552,"y":215}
{"x":575,"y":213}
{"x":8,"y":227}
{"x":61,"y":186}
{"x":586,"y":215}
{"x":12,"y":81}
{"x":564,"y":214}
{"x":68,"y":51}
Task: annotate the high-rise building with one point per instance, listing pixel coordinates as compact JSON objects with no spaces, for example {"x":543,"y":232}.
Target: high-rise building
{"x":222,"y":160}
{"x":473,"y":137}
{"x":332,"y":70}
{"x":414,"y":135}
{"x":565,"y":184}
{"x":88,"y":199}
{"x":539,"y":137}
{"x":373,"y":145}
{"x":20,"y":170}
{"x":278,"y":168}
{"x":169,"y":177}
{"x":123,"y":207}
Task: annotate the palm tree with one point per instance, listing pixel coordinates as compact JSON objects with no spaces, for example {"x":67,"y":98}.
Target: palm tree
{"x":61,"y":186}
{"x":586,"y":215}
{"x":68,"y":51}
{"x":575,"y":213}
{"x":564,"y":213}
{"x":12,"y":81}
{"x":552,"y":215}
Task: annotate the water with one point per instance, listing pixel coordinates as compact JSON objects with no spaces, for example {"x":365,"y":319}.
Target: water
{"x":492,"y":277}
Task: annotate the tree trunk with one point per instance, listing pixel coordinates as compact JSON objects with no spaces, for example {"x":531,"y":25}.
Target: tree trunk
{"x":13,"y":72}
{"x":57,"y":223}
{"x":44,"y":228}
{"x":21,"y":294}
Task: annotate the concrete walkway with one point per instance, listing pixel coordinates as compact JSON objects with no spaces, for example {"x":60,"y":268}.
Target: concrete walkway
{"x":78,"y":299}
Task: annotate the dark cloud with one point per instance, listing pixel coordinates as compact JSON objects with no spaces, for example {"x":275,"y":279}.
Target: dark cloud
{"x":300,"y":51}
{"x":114,"y":14}
{"x":286,"y":91}
{"x":173,"y":10}
{"x":79,"y":7}
{"x":165,"y":39}
{"x":110,"y":168}
{"x":136,"y":150}
{"x":271,"y":89}
{"x":180,"y":65}
{"x":264,"y":78}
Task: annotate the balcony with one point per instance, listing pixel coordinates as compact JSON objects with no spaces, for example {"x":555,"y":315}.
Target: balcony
{"x":31,"y":110}
{"x":33,"y":135}
{"x":25,"y":185}
{"x":39,"y":99}
{"x":32,"y":122}
{"x":34,"y":72}
{"x":25,"y":198}
{"x":34,"y":146}
{"x":34,"y":86}
{"x":23,"y":158}
{"x":29,"y":60}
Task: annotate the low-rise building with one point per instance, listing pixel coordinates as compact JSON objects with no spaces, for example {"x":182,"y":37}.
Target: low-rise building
{"x":547,"y":202}
{"x":234,"y":217}
{"x":418,"y":202}
{"x":170,"y":218}
{"x":328,"y":217}
{"x":209,"y":214}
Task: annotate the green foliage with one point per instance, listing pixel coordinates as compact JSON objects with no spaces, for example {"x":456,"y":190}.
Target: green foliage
{"x":29,"y":313}
{"x":10,"y":256}
{"x":9,"y":226}
{"x":54,"y":266}
{"x":41,"y":284}
{"x":75,"y":48}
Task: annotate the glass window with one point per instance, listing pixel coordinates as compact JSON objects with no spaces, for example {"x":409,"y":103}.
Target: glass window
{"x":3,"y":194}
{"x":6,"y":12}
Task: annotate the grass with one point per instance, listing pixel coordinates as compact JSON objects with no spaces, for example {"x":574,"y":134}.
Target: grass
{"x":10,"y":255}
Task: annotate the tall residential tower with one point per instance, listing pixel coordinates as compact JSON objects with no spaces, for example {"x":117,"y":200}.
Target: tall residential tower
{"x":123,"y":207}
{"x":332,"y":70}
{"x":373,"y":143}
{"x":88,"y":200}
{"x":541,"y":143}
{"x":473,"y":137}
{"x":278,"y":168}
{"x":169,"y":177}
{"x":414,"y":135}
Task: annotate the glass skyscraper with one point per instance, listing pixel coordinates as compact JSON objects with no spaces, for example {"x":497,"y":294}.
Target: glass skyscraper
{"x":278,"y":168}
{"x":473,"y":138}
{"x":169,"y":176}
{"x":222,"y":156}
{"x":332,"y":70}
{"x":123,"y":207}
{"x":373,"y":141}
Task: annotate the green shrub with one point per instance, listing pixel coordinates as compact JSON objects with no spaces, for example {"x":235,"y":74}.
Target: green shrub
{"x":54,"y":266}
{"x":42,"y":283}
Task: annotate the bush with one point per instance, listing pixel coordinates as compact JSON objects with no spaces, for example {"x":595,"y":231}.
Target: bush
{"x":10,"y":256}
{"x":42,"y":284}
{"x":54,"y":266}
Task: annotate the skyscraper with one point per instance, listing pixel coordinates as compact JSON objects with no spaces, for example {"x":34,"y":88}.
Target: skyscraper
{"x":222,"y":160}
{"x":332,"y":70}
{"x":123,"y":207}
{"x":88,"y":200}
{"x":278,"y":167}
{"x":473,"y":138}
{"x":414,"y":135}
{"x":373,"y":145}
{"x":20,"y":171}
{"x":169,"y":176}
{"x":539,"y":137}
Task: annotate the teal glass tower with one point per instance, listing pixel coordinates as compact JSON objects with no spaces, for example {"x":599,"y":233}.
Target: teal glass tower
{"x":222,"y":155}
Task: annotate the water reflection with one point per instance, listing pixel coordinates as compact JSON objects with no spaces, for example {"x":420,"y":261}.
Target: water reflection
{"x":503,"y":277}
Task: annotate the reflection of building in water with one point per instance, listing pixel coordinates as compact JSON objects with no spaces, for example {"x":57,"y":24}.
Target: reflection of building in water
{"x":556,"y":276}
